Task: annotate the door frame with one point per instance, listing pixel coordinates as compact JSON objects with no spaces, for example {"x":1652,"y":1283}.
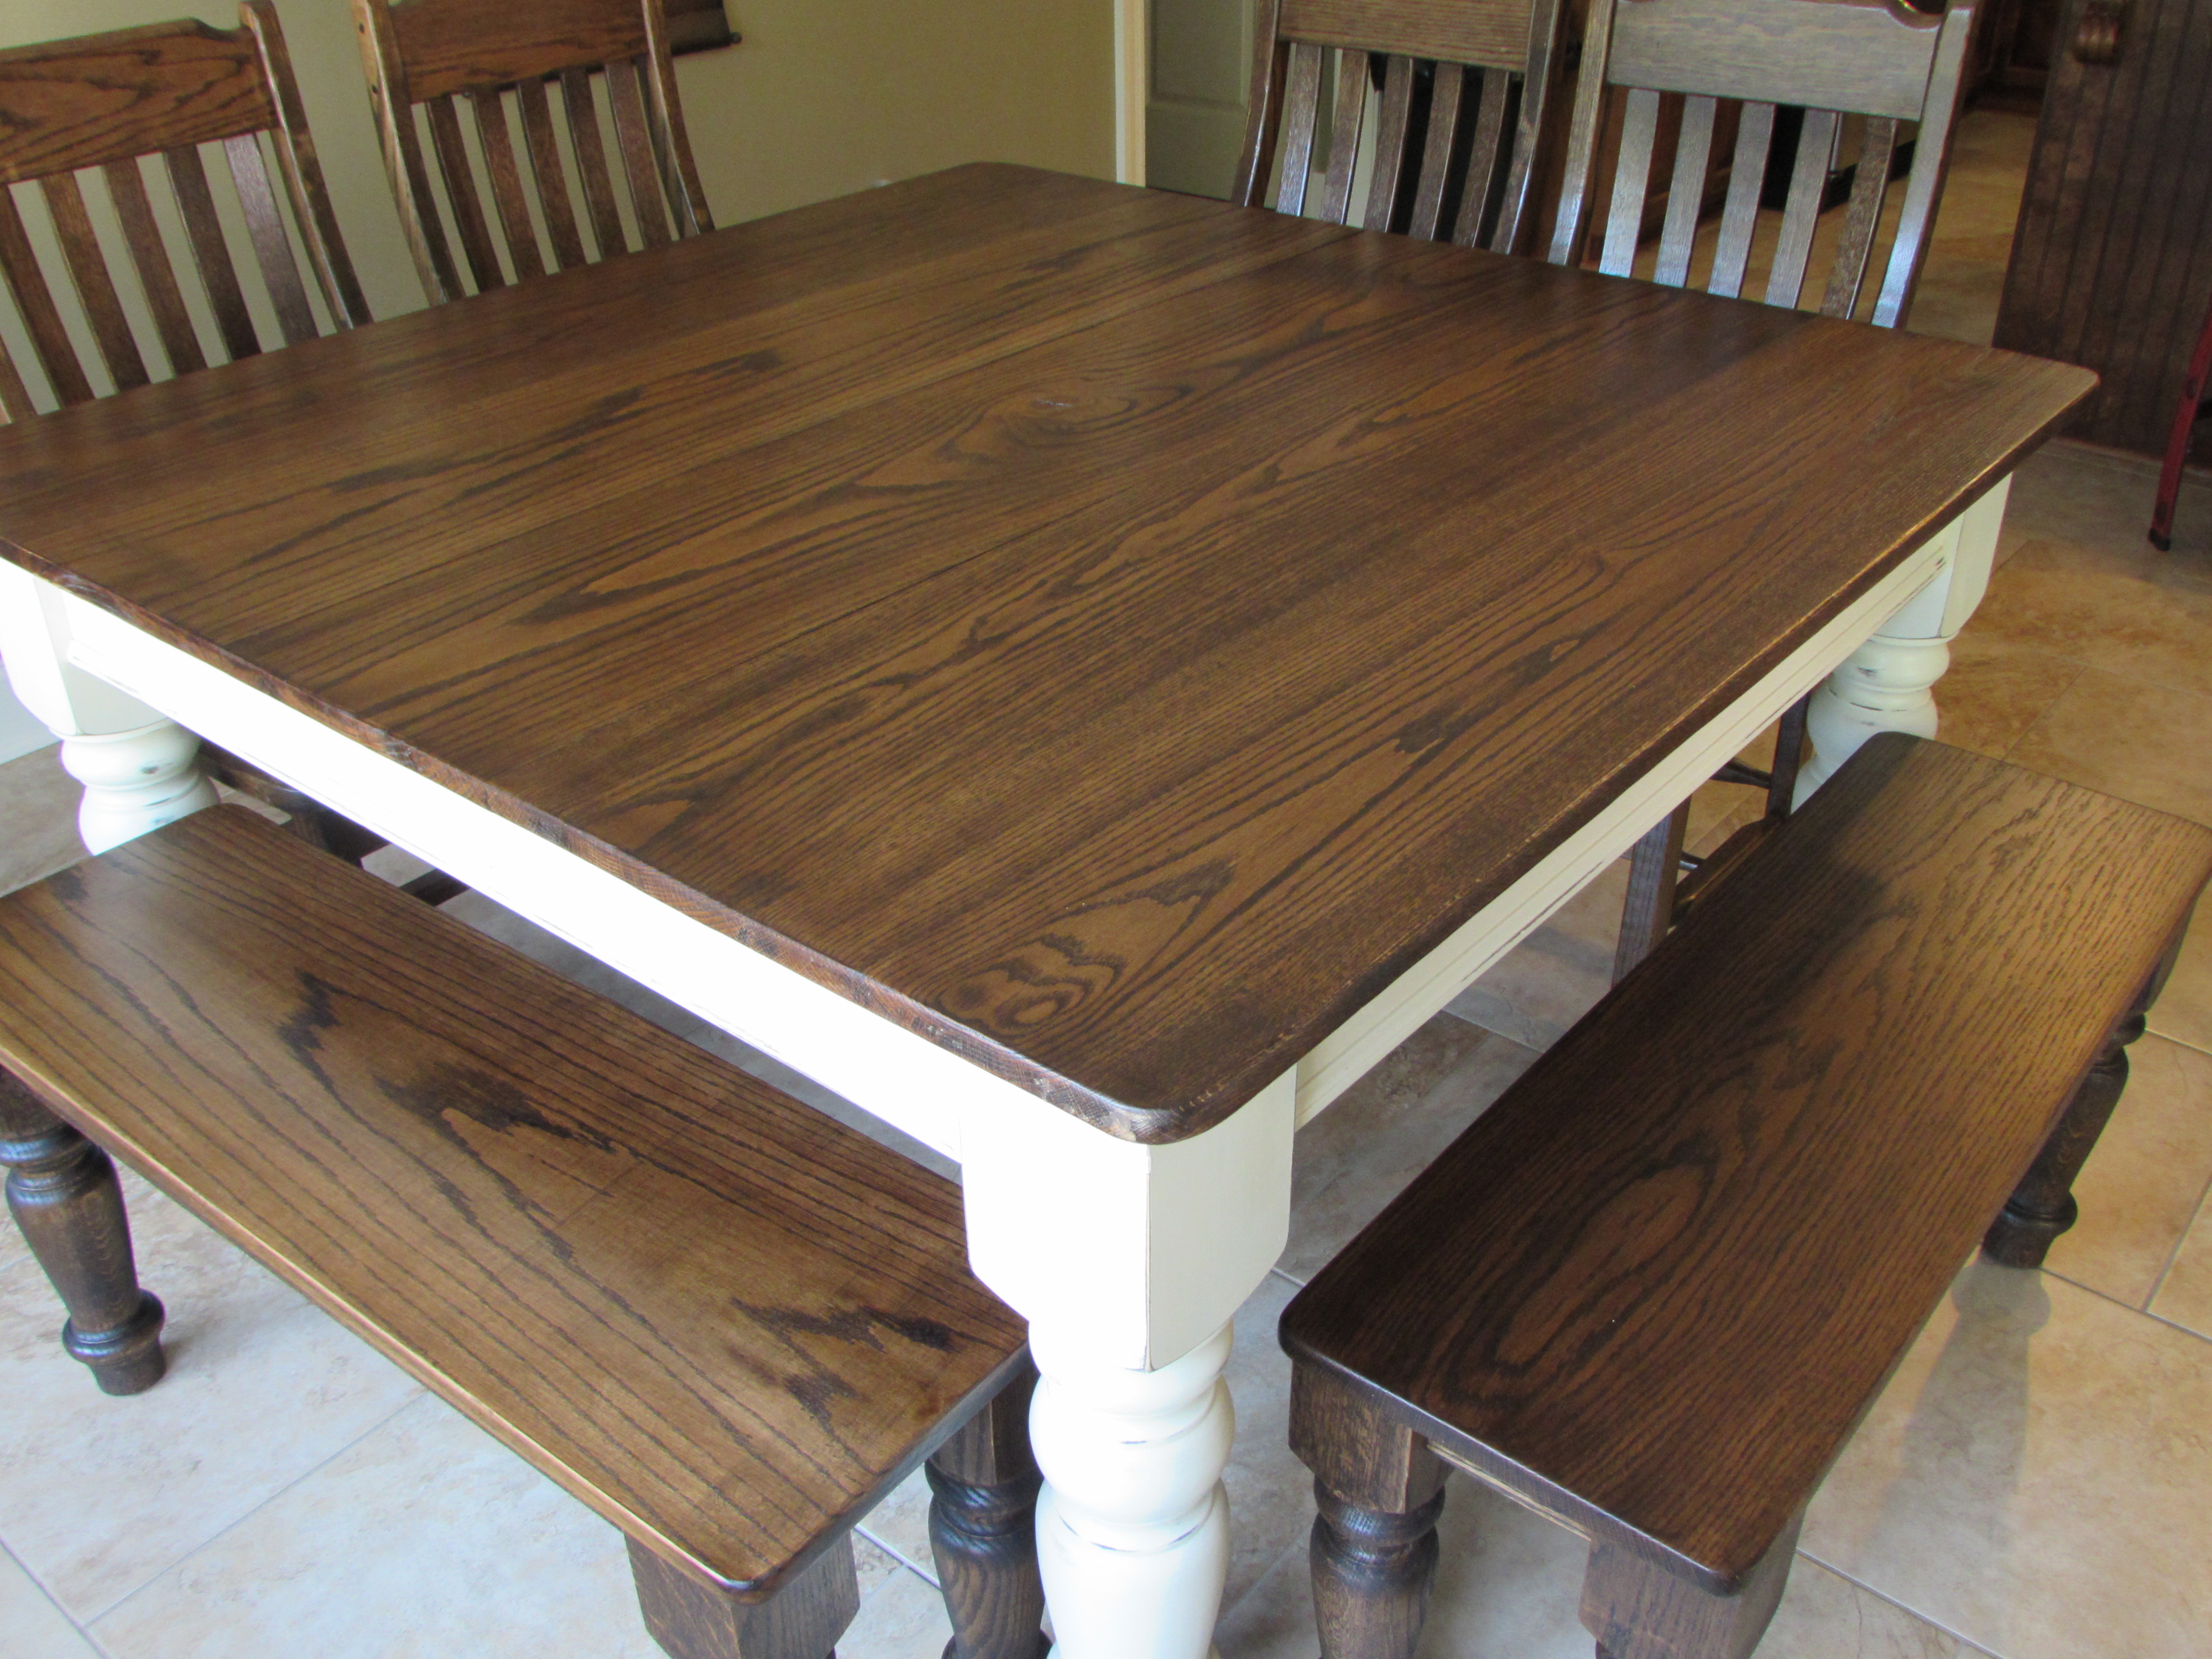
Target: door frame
{"x":1133,"y":52}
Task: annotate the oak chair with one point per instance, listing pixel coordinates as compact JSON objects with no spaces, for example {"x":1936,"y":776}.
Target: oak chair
{"x":1653,"y":1289}
{"x":1870,"y":64}
{"x":112,"y":103}
{"x":1456,"y":75}
{"x":452,"y":65}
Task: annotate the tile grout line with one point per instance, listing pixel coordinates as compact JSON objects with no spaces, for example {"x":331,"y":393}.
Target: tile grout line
{"x":901,"y":1557}
{"x":2166,"y":1268}
{"x":224,"y":1531}
{"x":48,"y":1595}
{"x":2125,"y":1307}
{"x":1904,"y":1607}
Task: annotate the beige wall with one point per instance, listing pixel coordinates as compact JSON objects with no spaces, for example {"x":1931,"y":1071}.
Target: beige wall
{"x":822,"y":97}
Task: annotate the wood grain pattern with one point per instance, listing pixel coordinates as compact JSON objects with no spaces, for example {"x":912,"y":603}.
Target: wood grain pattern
{"x":719,"y":1318}
{"x":1685,"y":1251}
{"x":1114,"y":634}
{"x":106,"y":101}
{"x":433,"y":55}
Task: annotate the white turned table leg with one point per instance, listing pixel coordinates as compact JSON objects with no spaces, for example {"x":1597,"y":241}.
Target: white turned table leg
{"x":135,"y":780}
{"x":1133,"y":1530}
{"x":139,"y":770}
{"x":1888,"y":683}
{"x":1128,"y":1262}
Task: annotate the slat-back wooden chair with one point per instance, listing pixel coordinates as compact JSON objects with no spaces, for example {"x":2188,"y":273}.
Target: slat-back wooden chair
{"x":105,"y":102}
{"x":443,"y":57}
{"x":1834,"y":58}
{"x":1486,"y":65}
{"x":1870,"y":59}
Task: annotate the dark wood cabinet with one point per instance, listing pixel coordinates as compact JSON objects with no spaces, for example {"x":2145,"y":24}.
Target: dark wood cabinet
{"x":2111,"y":266}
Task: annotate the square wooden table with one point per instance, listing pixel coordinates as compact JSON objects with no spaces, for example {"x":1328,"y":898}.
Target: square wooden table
{"x":1081,"y":673}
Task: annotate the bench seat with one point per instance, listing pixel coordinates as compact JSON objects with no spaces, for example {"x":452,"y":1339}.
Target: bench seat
{"x":1654,"y":1288}
{"x":724,"y":1320}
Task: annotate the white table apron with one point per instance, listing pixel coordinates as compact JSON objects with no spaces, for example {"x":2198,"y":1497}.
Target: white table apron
{"x":1128,"y":1262}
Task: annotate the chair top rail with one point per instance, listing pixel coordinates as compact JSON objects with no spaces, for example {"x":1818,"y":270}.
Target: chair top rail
{"x":1855,"y":57}
{"x":102,"y":98}
{"x":464,"y":45}
{"x":1493,"y":34}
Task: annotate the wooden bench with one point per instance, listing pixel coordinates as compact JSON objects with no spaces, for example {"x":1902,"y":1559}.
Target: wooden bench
{"x":724,"y":1321}
{"x":1652,"y":1291}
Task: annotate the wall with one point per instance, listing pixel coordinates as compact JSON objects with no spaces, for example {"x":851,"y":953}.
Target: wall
{"x":822,"y":97}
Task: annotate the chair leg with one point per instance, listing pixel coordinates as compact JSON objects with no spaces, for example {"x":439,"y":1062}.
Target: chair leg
{"x":1639,"y":1610}
{"x":2186,"y":415}
{"x":802,"y":1620}
{"x":1374,"y":1550}
{"x":62,"y":1192}
{"x":1653,"y":870}
{"x":2042,"y":1207}
{"x":982,"y":1529}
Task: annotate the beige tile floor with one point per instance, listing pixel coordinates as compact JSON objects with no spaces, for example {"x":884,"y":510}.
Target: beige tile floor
{"x":2036,"y":1483}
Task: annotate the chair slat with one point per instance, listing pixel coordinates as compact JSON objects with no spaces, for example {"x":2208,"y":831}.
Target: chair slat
{"x":591,"y":161}
{"x":1686,"y":191}
{"x":1344,"y":136}
{"x":1390,"y":142}
{"x":34,"y":302}
{"x":1754,"y":135}
{"x":15,"y":397}
{"x":95,"y":288}
{"x":453,"y":165}
{"x":150,"y":257}
{"x":552,"y":175}
{"x":1931,"y":151}
{"x":1436,"y":150}
{"x":301,"y":173}
{"x":634,"y":139}
{"x":1482,"y":158}
{"x":1301,"y":112}
{"x":211,"y":252}
{"x":272,"y":248}
{"x":1632,"y":179}
{"x":687,"y":197}
{"x":1801,"y":214}
{"x":1869,"y":183}
{"x":507,"y":197}
{"x":1583,"y":134}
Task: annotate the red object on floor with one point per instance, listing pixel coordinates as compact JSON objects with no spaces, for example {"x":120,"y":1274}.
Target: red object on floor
{"x":2185,"y":417}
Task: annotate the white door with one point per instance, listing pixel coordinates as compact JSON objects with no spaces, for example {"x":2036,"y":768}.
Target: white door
{"x":1200,"y":63}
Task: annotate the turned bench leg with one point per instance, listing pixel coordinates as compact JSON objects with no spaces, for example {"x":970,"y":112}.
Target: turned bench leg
{"x":62,"y":1192}
{"x":1639,"y":1610}
{"x":2042,"y":1207}
{"x":1374,"y":1551}
{"x":802,"y":1620}
{"x":983,"y":1530}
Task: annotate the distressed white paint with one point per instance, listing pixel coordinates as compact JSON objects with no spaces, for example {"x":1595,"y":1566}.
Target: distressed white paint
{"x":139,"y":770}
{"x":1132,"y":1530}
{"x":1887,"y":685}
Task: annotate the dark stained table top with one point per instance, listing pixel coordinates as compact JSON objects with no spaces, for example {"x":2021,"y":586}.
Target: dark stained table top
{"x":1112,"y":633}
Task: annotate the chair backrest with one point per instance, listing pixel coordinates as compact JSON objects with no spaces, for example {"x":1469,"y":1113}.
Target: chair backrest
{"x":105,"y":101}
{"x":451,"y":57}
{"x":1833,"y":58}
{"x":1483,"y":64}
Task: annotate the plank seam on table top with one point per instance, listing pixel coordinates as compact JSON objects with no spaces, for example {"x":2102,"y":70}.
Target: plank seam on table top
{"x":1021,"y":1070}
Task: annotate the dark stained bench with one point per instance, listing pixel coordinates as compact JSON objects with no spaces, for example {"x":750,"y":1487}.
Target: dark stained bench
{"x":1652,"y":1291}
{"x":724,"y":1321}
